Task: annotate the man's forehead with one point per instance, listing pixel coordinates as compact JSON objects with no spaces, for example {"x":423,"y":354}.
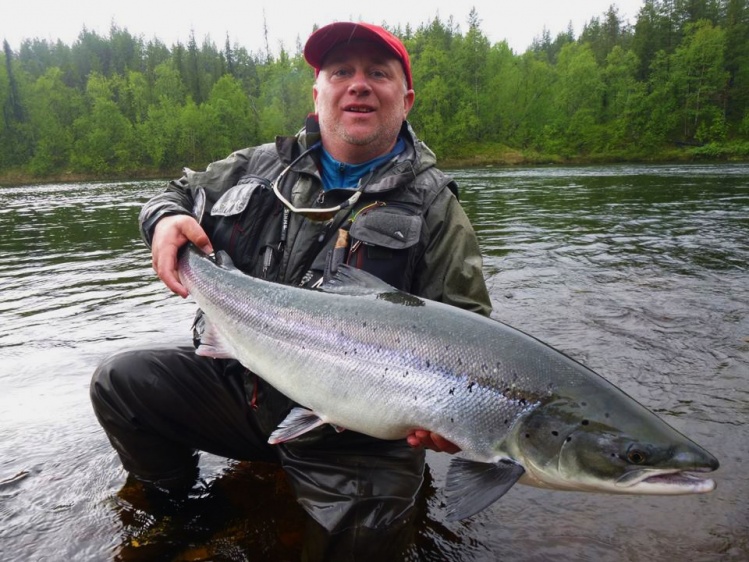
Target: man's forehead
{"x":359,"y":48}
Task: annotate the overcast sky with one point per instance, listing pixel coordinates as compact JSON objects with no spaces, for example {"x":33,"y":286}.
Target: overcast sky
{"x":516,"y":21}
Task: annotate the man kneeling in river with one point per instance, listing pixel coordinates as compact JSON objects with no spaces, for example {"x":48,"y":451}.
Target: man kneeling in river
{"x":355,"y":178}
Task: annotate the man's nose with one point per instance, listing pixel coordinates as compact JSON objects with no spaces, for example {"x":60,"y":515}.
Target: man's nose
{"x":359,"y":84}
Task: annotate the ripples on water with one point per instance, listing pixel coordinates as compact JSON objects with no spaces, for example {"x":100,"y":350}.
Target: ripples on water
{"x":640,"y":272}
{"x":76,"y":281}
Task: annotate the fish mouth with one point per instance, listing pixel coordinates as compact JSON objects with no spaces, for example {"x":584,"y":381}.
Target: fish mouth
{"x":665,"y":482}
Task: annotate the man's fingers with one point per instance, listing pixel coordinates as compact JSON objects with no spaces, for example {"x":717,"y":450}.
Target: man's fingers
{"x":433,"y":441}
{"x":170,"y":234}
{"x":195,"y":234}
{"x":169,"y":274}
{"x":413,"y":441}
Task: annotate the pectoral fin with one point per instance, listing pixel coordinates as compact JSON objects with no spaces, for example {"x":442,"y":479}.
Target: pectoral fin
{"x":473,"y":486}
{"x":298,"y":422}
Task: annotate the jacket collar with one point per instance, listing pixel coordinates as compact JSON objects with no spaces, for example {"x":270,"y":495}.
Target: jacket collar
{"x":416,"y":158}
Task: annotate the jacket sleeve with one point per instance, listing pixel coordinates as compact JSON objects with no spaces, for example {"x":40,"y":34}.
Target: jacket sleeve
{"x":451,"y":268}
{"x":179,"y":196}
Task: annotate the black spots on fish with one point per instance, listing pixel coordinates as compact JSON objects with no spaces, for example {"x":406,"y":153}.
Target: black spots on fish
{"x":507,"y":422}
{"x":364,"y":324}
{"x":606,"y":415}
{"x":585,"y":422}
{"x":471,"y":385}
{"x":452,"y":391}
{"x":428,"y":363}
{"x":452,"y":420}
{"x":484,"y":368}
{"x":555,"y":433}
{"x":527,"y":435}
{"x":583,"y":404}
{"x":569,"y":438}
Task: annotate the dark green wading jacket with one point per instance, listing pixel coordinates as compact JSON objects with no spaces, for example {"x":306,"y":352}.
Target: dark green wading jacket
{"x":411,"y":220}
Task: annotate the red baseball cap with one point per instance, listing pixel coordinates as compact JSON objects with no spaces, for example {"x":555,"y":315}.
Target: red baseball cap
{"x":324,"y":39}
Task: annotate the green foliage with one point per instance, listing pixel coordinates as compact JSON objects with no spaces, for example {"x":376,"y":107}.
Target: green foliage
{"x":700,"y":77}
{"x":230,"y":109}
{"x":678,"y":76}
{"x":104,"y":139}
{"x":53,"y":108}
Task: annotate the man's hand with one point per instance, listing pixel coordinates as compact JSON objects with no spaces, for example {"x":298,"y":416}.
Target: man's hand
{"x":170,"y":234}
{"x":423,"y":438}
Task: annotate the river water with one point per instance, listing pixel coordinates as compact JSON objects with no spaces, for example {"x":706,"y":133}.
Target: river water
{"x":640,"y":272}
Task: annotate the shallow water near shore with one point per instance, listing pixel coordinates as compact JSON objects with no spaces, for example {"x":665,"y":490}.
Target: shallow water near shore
{"x":640,"y":272}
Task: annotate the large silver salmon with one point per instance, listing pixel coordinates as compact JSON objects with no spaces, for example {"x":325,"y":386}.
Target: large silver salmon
{"x":363,"y":356}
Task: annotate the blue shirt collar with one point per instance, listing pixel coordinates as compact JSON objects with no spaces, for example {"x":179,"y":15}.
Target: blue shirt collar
{"x":339,"y":174}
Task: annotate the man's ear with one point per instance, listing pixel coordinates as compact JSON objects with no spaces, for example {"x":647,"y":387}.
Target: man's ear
{"x":408,"y":102}
{"x":314,"y":96}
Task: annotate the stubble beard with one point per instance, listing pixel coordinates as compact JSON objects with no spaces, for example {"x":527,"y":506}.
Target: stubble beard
{"x":380,"y":140}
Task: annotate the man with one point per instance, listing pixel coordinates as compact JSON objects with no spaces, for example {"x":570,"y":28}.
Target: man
{"x":354,"y":185}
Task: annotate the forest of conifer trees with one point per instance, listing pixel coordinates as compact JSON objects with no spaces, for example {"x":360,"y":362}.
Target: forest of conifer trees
{"x":673,"y":84}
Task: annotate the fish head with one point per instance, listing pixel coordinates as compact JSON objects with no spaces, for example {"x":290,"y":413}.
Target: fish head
{"x":609,"y":444}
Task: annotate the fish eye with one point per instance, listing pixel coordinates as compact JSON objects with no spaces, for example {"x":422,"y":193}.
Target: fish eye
{"x":636,"y":457}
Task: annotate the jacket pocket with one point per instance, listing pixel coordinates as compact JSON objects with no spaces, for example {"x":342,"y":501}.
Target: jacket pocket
{"x":382,"y":241}
{"x":240,"y":221}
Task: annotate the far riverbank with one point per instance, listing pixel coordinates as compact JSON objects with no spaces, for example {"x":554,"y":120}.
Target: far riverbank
{"x":466,"y":157}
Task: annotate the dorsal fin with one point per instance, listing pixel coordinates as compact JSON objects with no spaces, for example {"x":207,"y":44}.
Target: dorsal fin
{"x":352,"y":281}
{"x":355,"y":282}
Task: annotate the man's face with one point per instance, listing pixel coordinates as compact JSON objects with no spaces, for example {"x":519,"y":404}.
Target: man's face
{"x":361,"y":101}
